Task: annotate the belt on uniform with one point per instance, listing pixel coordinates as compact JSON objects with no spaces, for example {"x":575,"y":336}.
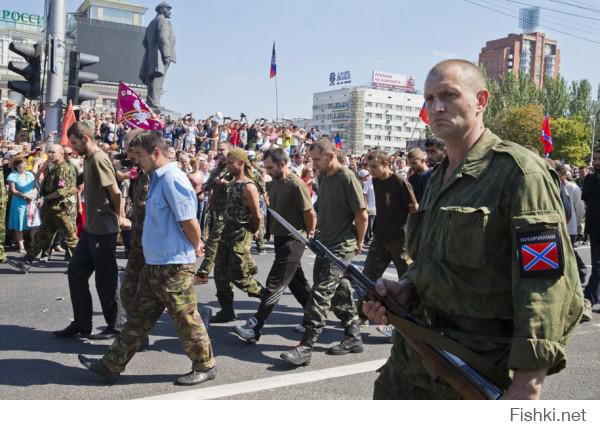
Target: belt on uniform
{"x":495,"y":327}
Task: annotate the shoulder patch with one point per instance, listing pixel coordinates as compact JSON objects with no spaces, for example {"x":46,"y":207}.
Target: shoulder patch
{"x":540,"y":254}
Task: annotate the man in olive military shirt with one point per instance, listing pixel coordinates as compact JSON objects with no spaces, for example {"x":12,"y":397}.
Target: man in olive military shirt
{"x":493,"y":268}
{"x":56,"y":191}
{"x":342,"y":222}
{"x":289,"y":197}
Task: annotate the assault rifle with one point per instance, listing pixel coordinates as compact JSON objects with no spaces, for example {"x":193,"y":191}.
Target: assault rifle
{"x":469,"y":374}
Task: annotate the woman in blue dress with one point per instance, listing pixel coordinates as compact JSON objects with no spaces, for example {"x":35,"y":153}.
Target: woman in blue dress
{"x":22,"y":187}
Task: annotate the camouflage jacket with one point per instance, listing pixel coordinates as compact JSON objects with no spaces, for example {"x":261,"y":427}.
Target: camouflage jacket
{"x":219,"y":191}
{"x":140,"y":194}
{"x":236,"y":212}
{"x":473,"y":241}
{"x":59,"y":178}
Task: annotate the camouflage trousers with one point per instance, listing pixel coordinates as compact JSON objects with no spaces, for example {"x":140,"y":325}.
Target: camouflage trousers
{"x":378,"y":259}
{"x":260,"y":242}
{"x":330,"y":290}
{"x":54,"y":221}
{"x":234,"y":266}
{"x":135,"y":263}
{"x":170,"y":286}
{"x":212,"y":245}
{"x":2,"y":227}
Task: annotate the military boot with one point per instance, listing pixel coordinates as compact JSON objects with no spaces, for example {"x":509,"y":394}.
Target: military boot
{"x":352,"y":341}
{"x":299,"y":356}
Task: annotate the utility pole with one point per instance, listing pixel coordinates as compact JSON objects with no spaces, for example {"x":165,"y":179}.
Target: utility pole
{"x":56,"y":25}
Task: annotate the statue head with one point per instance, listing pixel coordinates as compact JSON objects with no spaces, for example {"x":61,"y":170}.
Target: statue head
{"x":164,"y":8}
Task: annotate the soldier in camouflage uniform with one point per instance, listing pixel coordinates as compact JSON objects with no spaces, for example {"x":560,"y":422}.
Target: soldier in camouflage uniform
{"x":171,"y":243}
{"x":135,"y":259}
{"x":56,"y":190}
{"x":341,"y":205}
{"x":217,"y":183}
{"x":3,"y":203}
{"x":490,"y":207}
{"x":234,"y":264}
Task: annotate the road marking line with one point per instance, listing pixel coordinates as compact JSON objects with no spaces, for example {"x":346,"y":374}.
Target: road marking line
{"x":236,"y":388}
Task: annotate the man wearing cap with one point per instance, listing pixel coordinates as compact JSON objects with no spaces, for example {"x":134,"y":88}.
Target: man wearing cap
{"x":159,"y":44}
{"x":233,"y":266}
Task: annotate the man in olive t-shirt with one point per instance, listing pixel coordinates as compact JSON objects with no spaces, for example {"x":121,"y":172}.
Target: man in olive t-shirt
{"x":289,"y":197}
{"x":342,"y":221}
{"x":96,"y":250}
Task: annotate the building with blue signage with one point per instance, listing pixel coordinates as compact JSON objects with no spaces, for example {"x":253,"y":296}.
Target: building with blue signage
{"x":383,"y":114}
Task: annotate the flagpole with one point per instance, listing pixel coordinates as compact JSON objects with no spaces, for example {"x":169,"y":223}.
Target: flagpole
{"x":276,"y":102}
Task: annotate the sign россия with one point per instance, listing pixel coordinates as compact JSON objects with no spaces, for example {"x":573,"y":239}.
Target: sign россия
{"x":21,"y":17}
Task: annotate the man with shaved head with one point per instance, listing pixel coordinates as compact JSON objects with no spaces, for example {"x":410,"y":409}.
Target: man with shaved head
{"x":56,"y":191}
{"x":493,"y":266}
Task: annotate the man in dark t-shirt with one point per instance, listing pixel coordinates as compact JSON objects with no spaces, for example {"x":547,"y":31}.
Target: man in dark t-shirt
{"x":394,"y":200}
{"x":417,"y":160}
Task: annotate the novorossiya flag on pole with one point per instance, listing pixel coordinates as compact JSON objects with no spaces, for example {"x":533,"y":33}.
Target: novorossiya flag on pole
{"x":133,"y":111}
{"x":546,"y":137}
{"x":423,"y":114}
{"x":273,"y":71}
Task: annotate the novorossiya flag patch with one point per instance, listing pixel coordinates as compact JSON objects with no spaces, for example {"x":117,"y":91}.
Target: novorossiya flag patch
{"x":540,"y":254}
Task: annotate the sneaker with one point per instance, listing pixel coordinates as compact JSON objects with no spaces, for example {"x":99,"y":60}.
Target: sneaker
{"x":247,"y":331}
{"x":22,"y":264}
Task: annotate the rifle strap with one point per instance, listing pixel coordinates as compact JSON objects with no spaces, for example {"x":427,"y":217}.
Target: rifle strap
{"x":432,"y":338}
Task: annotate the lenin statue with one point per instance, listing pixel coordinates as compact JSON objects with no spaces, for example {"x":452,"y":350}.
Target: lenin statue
{"x":159,"y":45}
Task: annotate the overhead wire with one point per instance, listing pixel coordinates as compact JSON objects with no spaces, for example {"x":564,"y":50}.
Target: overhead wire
{"x":541,"y":25}
{"x":591,"y":9}
{"x":554,"y":10}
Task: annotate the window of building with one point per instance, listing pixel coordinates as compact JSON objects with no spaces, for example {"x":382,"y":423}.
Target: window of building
{"x":387,"y":138}
{"x":388,"y":117}
{"x":367,"y":137}
{"x":378,"y":116}
{"x":377,"y":137}
{"x":369,"y":115}
{"x":388,"y":127}
{"x":369,"y":104}
{"x":377,"y":126}
{"x":94,"y":12}
{"x":117,"y":15}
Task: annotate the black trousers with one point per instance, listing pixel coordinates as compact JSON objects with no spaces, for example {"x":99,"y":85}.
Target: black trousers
{"x":592,"y":290}
{"x":286,"y":271}
{"x":94,"y":253}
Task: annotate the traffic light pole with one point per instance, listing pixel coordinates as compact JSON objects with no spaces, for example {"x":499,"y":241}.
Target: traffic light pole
{"x":56,"y":72}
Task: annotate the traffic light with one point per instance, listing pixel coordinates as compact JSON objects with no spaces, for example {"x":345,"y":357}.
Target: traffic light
{"x":30,"y":69}
{"x":77,"y":61}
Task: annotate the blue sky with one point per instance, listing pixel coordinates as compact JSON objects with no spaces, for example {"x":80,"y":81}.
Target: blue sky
{"x":224,"y":47}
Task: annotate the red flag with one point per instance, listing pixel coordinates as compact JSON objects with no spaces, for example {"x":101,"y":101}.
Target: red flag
{"x":67,"y":122}
{"x":132,"y":110}
{"x":546,"y":136}
{"x":423,"y":113}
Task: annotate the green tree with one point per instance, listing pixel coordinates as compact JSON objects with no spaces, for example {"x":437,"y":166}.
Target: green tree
{"x":510,"y":91}
{"x":571,"y":138}
{"x":580,"y":103}
{"x":520,"y":124}
{"x":555,"y":97}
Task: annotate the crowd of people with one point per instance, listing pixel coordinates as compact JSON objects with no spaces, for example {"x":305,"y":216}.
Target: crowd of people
{"x":203,"y":187}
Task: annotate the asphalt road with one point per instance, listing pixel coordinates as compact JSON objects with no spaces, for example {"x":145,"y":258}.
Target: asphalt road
{"x":35,"y":365}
